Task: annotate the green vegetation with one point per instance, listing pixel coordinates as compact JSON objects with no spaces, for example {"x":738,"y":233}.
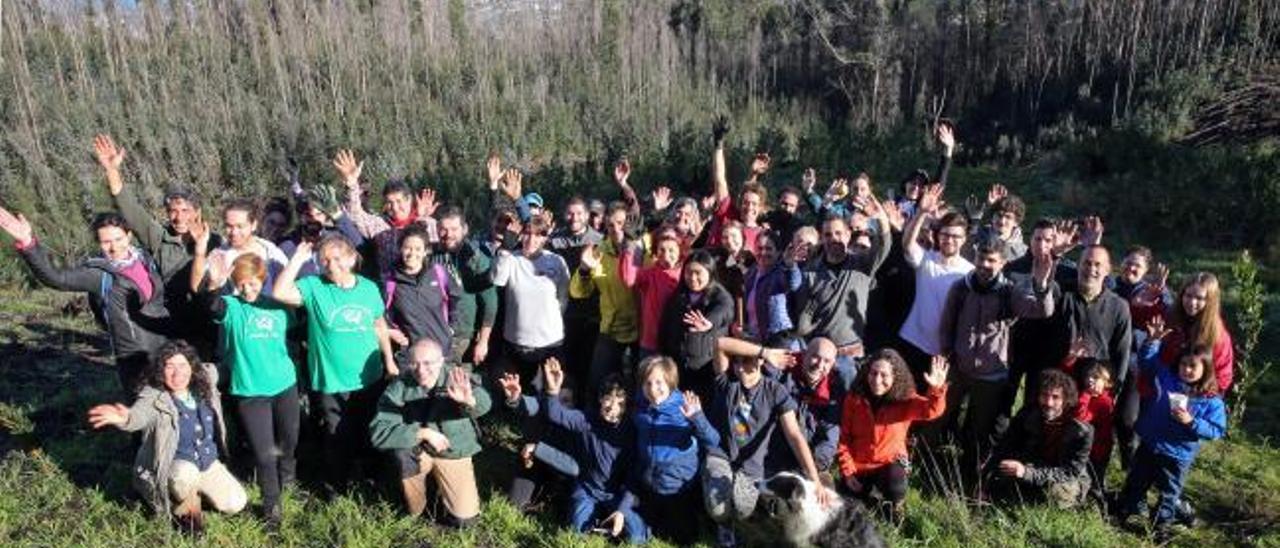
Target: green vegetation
{"x":1159,"y":117}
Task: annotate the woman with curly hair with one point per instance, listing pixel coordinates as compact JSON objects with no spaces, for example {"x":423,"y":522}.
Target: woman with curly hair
{"x":179,"y":415}
{"x":877,"y":414}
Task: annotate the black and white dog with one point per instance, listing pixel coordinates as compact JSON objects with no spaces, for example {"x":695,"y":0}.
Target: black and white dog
{"x":788,"y":511}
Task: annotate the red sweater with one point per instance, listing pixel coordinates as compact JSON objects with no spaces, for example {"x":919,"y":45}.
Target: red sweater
{"x":654,"y":286}
{"x":1224,"y":356}
{"x":871,"y":439}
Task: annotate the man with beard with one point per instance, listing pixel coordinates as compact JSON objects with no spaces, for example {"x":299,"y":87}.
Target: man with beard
{"x":478,"y":307}
{"x":170,"y":244}
{"x":1045,"y":454}
{"x":582,"y":315}
{"x":979,"y":312}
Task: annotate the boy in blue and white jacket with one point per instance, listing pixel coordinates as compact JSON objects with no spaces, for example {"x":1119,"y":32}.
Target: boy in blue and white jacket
{"x":671,"y":434}
{"x":1180,"y":406}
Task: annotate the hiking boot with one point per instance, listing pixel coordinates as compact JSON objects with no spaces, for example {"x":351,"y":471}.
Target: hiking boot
{"x":1184,"y":514}
{"x":272,"y":517}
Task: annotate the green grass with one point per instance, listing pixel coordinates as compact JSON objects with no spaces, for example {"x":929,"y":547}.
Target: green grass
{"x":63,"y":484}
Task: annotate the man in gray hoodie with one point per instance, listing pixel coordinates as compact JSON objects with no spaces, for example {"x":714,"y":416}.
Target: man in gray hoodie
{"x":980,"y":310}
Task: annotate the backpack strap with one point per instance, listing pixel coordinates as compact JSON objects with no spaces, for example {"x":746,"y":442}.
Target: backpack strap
{"x":389,"y":289}
{"x":442,"y":280}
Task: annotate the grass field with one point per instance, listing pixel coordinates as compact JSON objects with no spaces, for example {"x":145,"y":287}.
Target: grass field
{"x":63,"y":484}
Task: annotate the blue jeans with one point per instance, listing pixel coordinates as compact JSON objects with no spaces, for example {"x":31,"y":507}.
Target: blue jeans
{"x":585,"y":510}
{"x":1148,"y":469}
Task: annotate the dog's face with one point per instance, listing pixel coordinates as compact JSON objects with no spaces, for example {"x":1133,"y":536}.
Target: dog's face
{"x":791,"y":501}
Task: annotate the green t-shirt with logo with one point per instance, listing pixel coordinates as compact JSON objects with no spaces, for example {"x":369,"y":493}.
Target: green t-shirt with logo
{"x":342,"y":346}
{"x":254,"y":348}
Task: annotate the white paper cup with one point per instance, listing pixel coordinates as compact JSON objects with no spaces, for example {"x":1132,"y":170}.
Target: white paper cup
{"x":1177,"y":401}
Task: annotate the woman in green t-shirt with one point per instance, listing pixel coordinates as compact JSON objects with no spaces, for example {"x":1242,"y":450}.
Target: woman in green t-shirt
{"x":348,"y":348}
{"x":263,"y":378}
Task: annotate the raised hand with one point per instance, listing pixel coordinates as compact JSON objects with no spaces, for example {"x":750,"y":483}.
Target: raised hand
{"x":946,"y":137}
{"x":1156,"y":328}
{"x":200,"y":234}
{"x":1042,"y":270}
{"x":426,"y":204}
{"x":937,"y":375}
{"x":459,"y":387}
{"x":512,"y":183}
{"x":797,"y":252}
{"x":697,"y":322}
{"x":1158,"y":277}
{"x":325,"y":197}
{"x":552,"y":375}
{"x":691,"y":406}
{"x":110,"y":157}
{"x":661,"y":198}
{"x":997,"y":192}
{"x":590,"y":258}
{"x":809,"y":180}
{"x":892,"y":212}
{"x":108,"y":414}
{"x":16,"y":226}
{"x":1065,"y":237}
{"x":1093,"y":229}
{"x":760,"y":164}
{"x":493,"y":168}
{"x":510,"y":383}
{"x":931,"y":199}
{"x":719,"y":129}
{"x":348,"y":168}
{"x":839,"y":189}
{"x":621,"y":171}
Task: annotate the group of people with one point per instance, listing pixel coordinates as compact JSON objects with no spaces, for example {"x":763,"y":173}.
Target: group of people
{"x":658,"y":358}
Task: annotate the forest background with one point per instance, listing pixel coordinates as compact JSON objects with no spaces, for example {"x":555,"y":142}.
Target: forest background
{"x":1160,"y":116}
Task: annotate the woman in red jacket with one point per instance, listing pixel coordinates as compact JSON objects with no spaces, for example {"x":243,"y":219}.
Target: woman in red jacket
{"x":873,"y":430}
{"x":1196,"y":320}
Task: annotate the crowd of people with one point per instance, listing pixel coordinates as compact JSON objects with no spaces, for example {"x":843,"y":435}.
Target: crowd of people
{"x":658,"y":357}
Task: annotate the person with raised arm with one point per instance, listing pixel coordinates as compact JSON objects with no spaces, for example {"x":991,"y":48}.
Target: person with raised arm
{"x":752,"y":202}
{"x":936,"y":270}
{"x":124,"y":287}
{"x":599,"y":272}
{"x":179,"y":416}
{"x":400,"y":208}
{"x":876,"y":417}
{"x":240,"y":219}
{"x":264,"y":380}
{"x":348,"y":347}
{"x":170,"y":243}
{"x":832,"y":300}
{"x":427,"y":421}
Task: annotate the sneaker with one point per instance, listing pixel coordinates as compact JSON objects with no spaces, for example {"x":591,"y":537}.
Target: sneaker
{"x":1185,"y":514}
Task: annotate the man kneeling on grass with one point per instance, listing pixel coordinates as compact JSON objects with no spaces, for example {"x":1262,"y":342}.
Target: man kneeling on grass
{"x":426,"y":420}
{"x":179,"y":414}
{"x":1044,"y":456}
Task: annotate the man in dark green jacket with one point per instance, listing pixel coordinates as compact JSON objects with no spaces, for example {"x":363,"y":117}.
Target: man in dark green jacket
{"x":427,"y":420}
{"x":170,"y":244}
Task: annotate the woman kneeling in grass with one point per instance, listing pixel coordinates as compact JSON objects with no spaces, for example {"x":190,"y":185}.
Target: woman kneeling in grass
{"x":179,"y":413}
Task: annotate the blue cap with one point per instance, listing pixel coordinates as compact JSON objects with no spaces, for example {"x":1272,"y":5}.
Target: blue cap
{"x":533,"y":199}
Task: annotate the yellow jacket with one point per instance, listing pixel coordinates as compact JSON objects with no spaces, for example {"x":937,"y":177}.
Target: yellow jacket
{"x":618,"y":316}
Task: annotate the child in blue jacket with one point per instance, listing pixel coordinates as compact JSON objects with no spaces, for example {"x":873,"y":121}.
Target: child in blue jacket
{"x":603,"y":499}
{"x":1180,"y":406}
{"x":670,"y":432}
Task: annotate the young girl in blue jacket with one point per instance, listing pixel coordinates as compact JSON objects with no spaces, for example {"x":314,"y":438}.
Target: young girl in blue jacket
{"x":1180,"y":406}
{"x":671,"y":433}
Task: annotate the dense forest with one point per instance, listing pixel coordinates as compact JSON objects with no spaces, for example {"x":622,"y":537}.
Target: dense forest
{"x":1163,"y":110}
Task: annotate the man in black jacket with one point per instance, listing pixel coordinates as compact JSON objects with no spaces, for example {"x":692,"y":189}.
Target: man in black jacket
{"x":1045,"y":453}
{"x":123,"y":284}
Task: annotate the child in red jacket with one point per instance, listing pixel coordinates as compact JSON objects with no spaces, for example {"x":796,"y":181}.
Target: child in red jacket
{"x":1096,"y":407}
